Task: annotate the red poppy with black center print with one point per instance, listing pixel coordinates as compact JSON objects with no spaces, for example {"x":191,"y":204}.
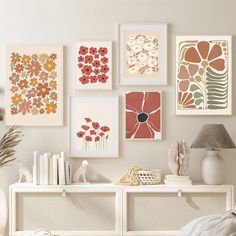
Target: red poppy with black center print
{"x":143,"y":115}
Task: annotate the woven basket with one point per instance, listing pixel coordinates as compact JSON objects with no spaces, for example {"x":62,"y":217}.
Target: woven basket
{"x":149,"y":177}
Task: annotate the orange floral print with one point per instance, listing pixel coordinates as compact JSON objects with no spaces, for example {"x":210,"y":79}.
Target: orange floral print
{"x":15,"y":57}
{"x":51,"y":107}
{"x":16,"y":99}
{"x":43,"y":90}
{"x":49,"y":65}
{"x":32,"y":79}
{"x":25,"y":59}
{"x":34,"y":68}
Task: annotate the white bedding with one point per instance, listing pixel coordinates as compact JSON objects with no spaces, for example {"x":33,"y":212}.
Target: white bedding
{"x":214,"y":225}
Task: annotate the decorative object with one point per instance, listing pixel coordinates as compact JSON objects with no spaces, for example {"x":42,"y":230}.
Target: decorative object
{"x":7,"y":144}
{"x":149,"y":177}
{"x":203,"y":84}
{"x":9,"y":140}
{"x":213,"y":137}
{"x":143,"y":115}
{"x":94,"y":126}
{"x":178,"y":158}
{"x":94,"y":65}
{"x":130,"y":177}
{"x":81,"y":171}
{"x":143,"y":54}
{"x":34,"y":86}
{"x":177,"y":180}
{"x":24,"y":175}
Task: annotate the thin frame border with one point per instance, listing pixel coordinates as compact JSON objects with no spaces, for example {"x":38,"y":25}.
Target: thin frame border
{"x":116,"y":152}
{"x":197,"y":113}
{"x":62,"y":71}
{"x":163,"y":76}
{"x":124,"y":117}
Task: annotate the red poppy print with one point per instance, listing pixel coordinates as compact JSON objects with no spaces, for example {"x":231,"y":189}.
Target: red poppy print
{"x":32,"y":83}
{"x":80,"y":65}
{"x":93,"y":79}
{"x":104,"y":69}
{"x":86,"y":70}
{"x":102,"y":78}
{"x":80,"y":134}
{"x":88,"y":138}
{"x":94,"y":62}
{"x":104,"y":60}
{"x":88,"y":119}
{"x":88,"y":59}
{"x":143,"y":115}
{"x":102,"y":51}
{"x":95,"y":125}
{"x":92,"y":133}
{"x":84,"y":79}
{"x":83,"y":50}
{"x":93,"y":50}
{"x":80,"y":59}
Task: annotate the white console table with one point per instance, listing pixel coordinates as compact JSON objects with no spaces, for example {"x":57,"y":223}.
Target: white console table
{"x":112,"y":210}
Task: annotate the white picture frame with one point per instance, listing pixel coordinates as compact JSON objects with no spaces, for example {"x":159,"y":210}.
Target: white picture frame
{"x":198,"y":59}
{"x":148,"y":64}
{"x":94,"y":123}
{"x":34,"y":72}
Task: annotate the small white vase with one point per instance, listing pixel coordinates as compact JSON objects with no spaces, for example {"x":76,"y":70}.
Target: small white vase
{"x":213,"y":168}
{"x":3,"y":212}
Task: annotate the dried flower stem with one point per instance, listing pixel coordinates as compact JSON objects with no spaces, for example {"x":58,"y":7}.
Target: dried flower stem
{"x":9,"y":140}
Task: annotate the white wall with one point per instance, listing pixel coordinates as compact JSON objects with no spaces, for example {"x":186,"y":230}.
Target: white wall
{"x":65,"y":21}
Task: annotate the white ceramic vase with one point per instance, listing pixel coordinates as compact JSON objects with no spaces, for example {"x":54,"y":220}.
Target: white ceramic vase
{"x":213,"y":168}
{"x":3,"y":212}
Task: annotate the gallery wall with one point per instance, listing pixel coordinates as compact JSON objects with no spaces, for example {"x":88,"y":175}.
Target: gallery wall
{"x":63,"y":22}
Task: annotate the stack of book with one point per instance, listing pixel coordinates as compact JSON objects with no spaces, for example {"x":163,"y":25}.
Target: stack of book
{"x":177,"y":180}
{"x":51,"y":169}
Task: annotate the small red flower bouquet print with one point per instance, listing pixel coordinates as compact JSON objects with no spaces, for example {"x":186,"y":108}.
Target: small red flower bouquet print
{"x":143,"y":115}
{"x":34,"y":86}
{"x":93,"y":132}
{"x":94,"y":65}
{"x":94,"y":127}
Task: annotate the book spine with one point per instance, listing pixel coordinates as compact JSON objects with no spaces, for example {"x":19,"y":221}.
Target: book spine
{"x":35,"y":168}
{"x":67,"y":172}
{"x":55,"y":169}
{"x":62,"y":169}
{"x":41,"y":170}
{"x":70,"y":173}
{"x":50,"y":171}
{"x":45,"y":168}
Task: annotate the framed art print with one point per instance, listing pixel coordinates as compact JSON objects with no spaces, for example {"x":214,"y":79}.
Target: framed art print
{"x":142,"y":54}
{"x":143,"y":115}
{"x":34,"y":86}
{"x":203,"y":83}
{"x":94,"y":65}
{"x":94,"y":126}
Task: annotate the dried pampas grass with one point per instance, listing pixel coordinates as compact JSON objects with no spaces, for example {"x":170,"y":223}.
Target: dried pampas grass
{"x":7,"y":144}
